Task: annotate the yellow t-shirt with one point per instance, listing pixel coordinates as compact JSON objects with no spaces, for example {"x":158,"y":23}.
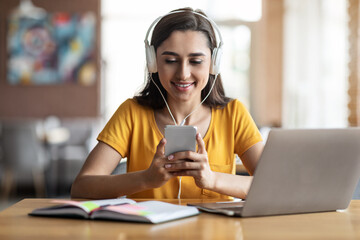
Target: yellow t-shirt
{"x":133,"y":132}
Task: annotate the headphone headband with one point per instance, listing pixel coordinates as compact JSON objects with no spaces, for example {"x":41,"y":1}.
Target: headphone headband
{"x":216,"y":55}
{"x":213,"y":24}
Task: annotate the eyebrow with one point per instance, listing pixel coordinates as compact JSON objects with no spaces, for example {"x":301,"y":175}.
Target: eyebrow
{"x":197,"y":54}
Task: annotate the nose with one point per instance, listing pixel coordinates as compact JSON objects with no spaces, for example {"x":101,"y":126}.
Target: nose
{"x":183,"y":71}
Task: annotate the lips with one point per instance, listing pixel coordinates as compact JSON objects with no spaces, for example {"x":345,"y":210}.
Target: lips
{"x":183,"y":86}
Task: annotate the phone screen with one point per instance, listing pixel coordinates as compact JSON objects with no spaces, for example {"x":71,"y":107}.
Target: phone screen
{"x":180,"y":138}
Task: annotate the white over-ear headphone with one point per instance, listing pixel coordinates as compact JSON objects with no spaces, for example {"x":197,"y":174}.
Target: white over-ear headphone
{"x":216,"y":54}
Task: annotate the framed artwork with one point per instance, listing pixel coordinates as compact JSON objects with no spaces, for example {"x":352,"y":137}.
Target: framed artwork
{"x":56,"y":48}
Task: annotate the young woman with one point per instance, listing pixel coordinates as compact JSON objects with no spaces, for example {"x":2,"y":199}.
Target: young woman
{"x":184,"y":46}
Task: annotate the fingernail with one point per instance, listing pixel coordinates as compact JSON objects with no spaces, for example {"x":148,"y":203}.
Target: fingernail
{"x":170,"y":157}
{"x":167,"y":165}
{"x":199,"y":135}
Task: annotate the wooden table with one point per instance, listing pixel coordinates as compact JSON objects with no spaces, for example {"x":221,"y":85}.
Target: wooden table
{"x":16,"y":224}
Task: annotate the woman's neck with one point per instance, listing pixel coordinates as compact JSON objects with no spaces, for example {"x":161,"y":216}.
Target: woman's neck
{"x":180,"y":110}
{"x":200,"y":118}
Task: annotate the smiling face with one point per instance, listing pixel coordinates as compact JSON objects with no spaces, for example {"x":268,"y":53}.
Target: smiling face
{"x":183,"y":62}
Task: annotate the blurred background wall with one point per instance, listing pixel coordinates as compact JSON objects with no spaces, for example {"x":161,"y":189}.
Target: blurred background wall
{"x":65,"y":66}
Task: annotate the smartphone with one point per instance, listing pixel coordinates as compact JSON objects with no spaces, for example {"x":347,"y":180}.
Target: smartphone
{"x":180,"y":138}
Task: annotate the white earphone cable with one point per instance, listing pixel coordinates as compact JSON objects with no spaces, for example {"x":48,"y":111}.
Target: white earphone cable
{"x":183,"y":121}
{"x":163,"y":98}
{"x":179,"y":192}
{"x":212,"y":86}
{"x":147,"y":45}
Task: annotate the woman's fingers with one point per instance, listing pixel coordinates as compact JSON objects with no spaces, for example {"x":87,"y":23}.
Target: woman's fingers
{"x":160,"y":149}
{"x":184,"y":165}
{"x":201,"y":144}
{"x":156,"y":174}
{"x":201,"y":155}
{"x":193,"y":164}
{"x":187,"y":156}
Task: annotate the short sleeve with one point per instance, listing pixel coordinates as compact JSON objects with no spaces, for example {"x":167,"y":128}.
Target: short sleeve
{"x":117,"y":131}
{"x":246,"y":132}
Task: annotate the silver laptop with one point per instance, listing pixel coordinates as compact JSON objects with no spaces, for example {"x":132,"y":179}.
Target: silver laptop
{"x":300,"y":171}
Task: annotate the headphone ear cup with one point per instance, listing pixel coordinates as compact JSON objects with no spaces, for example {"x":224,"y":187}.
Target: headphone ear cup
{"x":151,"y":58}
{"x":215,"y":61}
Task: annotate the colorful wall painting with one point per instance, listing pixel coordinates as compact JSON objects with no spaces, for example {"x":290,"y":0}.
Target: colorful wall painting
{"x":58,"y":48}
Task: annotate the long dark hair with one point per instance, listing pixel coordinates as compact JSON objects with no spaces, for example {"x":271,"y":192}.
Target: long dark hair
{"x":182,"y":21}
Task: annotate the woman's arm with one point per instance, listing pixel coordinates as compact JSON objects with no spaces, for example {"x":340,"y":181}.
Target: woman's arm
{"x":94,"y":180}
{"x":251,"y":157}
{"x":236,"y":185}
{"x":199,"y":168}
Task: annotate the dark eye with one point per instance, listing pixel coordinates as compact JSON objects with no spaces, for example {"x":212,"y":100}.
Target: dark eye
{"x":170,"y":60}
{"x":196,"y":61}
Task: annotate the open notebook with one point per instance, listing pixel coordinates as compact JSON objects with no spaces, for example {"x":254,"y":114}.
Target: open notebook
{"x":300,"y":171}
{"x":120,"y":209}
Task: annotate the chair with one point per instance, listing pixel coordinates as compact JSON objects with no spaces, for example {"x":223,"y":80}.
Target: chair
{"x":69,"y":156}
{"x":23,"y":155}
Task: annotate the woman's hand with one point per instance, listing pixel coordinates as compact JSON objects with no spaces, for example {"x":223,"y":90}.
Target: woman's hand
{"x":156,"y":174}
{"x":193,"y":164}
